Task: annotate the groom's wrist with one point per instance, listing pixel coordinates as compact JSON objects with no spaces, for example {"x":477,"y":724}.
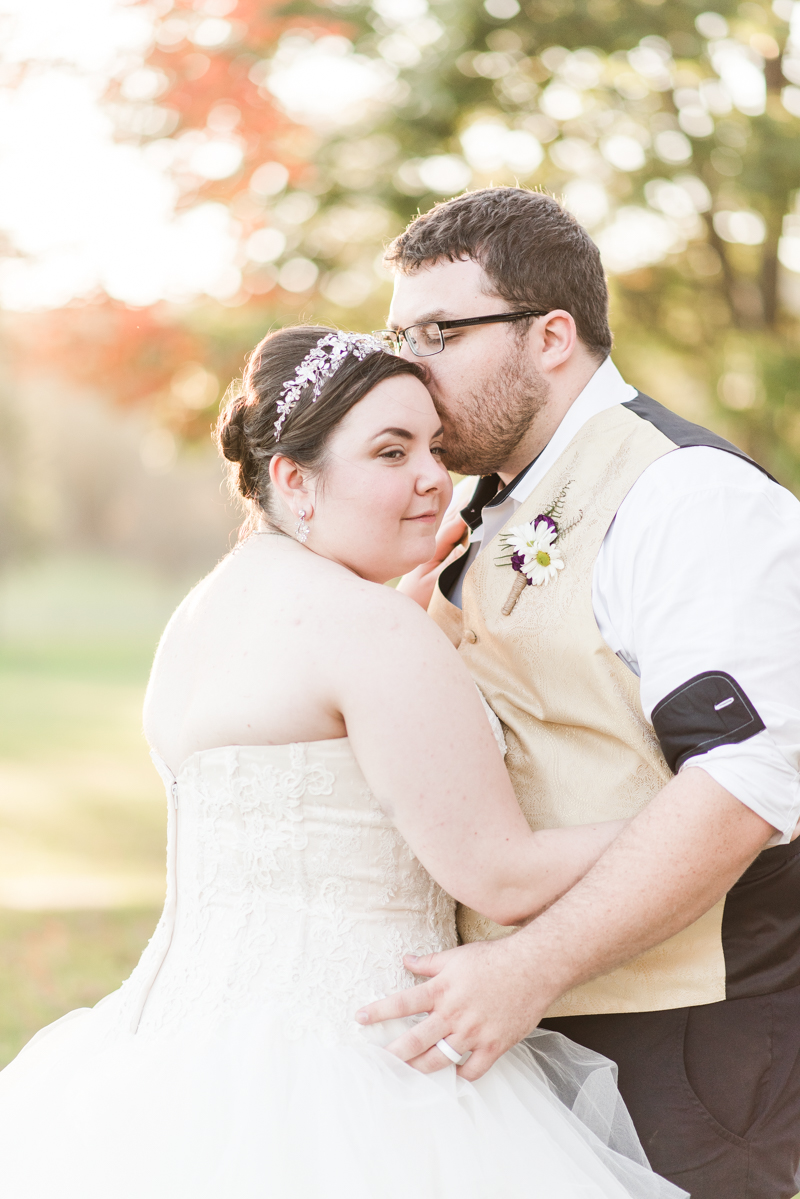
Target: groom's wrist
{"x":547,"y":975}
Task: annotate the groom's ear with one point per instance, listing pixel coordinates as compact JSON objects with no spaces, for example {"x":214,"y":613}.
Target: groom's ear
{"x":292,"y":484}
{"x":558,"y":338}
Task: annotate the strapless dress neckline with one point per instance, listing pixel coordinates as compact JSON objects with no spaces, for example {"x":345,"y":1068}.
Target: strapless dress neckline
{"x":165,"y":769}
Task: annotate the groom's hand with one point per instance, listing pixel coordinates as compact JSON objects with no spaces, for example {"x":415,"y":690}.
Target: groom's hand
{"x":481,"y":998}
{"x":672,"y":863}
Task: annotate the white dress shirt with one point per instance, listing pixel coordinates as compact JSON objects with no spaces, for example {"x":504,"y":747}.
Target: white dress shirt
{"x":699,"y":571}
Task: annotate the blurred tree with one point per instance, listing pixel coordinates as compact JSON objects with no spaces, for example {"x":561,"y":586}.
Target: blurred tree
{"x":671,"y":132}
{"x":18,"y":533}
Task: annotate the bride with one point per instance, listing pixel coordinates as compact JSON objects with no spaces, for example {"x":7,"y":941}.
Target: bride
{"x":332,"y":780}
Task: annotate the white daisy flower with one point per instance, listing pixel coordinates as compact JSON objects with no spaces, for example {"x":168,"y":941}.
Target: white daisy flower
{"x":533,"y":550}
{"x":530,"y":538}
{"x":543,"y":566}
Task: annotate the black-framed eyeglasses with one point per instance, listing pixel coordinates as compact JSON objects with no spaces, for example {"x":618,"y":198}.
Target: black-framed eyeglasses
{"x":427,"y":339}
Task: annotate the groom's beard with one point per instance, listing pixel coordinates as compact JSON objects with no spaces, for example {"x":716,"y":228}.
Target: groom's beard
{"x":484,"y":428}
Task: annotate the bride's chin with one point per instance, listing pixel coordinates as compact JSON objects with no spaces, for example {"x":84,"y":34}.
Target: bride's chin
{"x":403,"y":566}
{"x":419,"y":557}
{"x":394,"y":565}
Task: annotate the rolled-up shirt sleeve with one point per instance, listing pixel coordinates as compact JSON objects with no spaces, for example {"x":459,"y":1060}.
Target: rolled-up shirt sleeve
{"x":699,"y":578}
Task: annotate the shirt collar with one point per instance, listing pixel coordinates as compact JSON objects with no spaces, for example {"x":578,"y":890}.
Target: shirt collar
{"x":486,"y":495}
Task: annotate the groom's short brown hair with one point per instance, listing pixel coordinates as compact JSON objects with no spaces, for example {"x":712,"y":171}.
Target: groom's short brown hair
{"x":532,"y":250}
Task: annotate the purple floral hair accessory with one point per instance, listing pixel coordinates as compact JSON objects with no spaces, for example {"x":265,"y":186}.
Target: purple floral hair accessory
{"x":319,"y":365}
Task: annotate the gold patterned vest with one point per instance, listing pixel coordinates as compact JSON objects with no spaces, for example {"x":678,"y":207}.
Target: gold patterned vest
{"x":579,"y":746}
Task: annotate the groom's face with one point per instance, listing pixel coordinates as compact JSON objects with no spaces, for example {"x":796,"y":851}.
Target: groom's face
{"x":485,"y":383}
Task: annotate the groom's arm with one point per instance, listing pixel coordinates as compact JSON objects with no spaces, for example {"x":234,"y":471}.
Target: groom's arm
{"x":672,"y":864}
{"x":672,"y":598}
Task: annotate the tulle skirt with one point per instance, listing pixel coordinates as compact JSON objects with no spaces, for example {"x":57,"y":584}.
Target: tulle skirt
{"x":240,"y":1111}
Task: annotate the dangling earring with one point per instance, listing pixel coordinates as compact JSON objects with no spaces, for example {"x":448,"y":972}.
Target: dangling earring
{"x":302,"y":531}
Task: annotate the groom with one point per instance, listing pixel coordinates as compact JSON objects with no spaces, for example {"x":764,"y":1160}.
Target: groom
{"x":654,"y":674}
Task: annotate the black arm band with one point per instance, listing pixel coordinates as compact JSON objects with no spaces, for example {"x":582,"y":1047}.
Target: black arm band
{"x":709,"y":710}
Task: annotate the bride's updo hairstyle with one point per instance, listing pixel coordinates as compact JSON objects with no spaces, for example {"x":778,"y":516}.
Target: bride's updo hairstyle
{"x":246,"y":427}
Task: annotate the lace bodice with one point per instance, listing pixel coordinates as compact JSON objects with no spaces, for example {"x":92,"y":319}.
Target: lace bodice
{"x":288,"y":887}
{"x":230,"y":1064}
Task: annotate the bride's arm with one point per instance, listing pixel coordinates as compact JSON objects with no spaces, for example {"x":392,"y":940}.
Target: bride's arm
{"x":421,"y":737}
{"x":561,"y":857}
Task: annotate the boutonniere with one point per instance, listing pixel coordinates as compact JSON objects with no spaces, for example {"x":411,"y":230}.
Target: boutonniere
{"x":533,"y":549}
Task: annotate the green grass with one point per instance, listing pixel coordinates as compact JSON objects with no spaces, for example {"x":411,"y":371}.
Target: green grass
{"x":82,"y":811}
{"x":52,"y":962}
{"x":79,"y":797}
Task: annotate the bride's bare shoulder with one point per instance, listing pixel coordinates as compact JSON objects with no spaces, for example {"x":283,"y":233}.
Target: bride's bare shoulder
{"x":380,"y":619}
{"x":337,"y":606}
{"x":275,"y":590}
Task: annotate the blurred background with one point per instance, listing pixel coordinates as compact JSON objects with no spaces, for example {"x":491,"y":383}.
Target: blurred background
{"x":178,"y":178}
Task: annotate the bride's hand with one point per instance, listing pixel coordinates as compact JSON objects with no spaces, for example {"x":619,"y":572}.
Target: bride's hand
{"x":419,"y":583}
{"x":481,"y":998}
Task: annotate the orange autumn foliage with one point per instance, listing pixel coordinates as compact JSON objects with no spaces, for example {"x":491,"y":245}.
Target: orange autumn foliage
{"x":128,"y":354}
{"x":131,"y":355}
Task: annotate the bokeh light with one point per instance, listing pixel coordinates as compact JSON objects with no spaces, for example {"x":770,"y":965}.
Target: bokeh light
{"x":84,"y":213}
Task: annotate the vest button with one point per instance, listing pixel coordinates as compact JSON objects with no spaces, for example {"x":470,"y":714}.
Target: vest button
{"x":469,"y":637}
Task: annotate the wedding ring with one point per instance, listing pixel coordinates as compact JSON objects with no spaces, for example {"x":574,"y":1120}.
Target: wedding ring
{"x":457,"y":1059}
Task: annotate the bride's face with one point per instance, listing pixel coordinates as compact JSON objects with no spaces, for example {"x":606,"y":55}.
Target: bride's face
{"x":383,"y":489}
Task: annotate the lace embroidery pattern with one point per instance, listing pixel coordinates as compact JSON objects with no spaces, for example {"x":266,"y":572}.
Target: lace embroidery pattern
{"x":293,"y":891}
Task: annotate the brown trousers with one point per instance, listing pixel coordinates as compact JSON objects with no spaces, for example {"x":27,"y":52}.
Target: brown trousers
{"x":714,"y":1091}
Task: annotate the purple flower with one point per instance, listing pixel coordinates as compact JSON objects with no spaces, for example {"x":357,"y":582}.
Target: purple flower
{"x":517,"y":563}
{"x":548,"y":520}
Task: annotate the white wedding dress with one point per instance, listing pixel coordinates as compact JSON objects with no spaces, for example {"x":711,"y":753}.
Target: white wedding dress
{"x":229,"y":1065}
